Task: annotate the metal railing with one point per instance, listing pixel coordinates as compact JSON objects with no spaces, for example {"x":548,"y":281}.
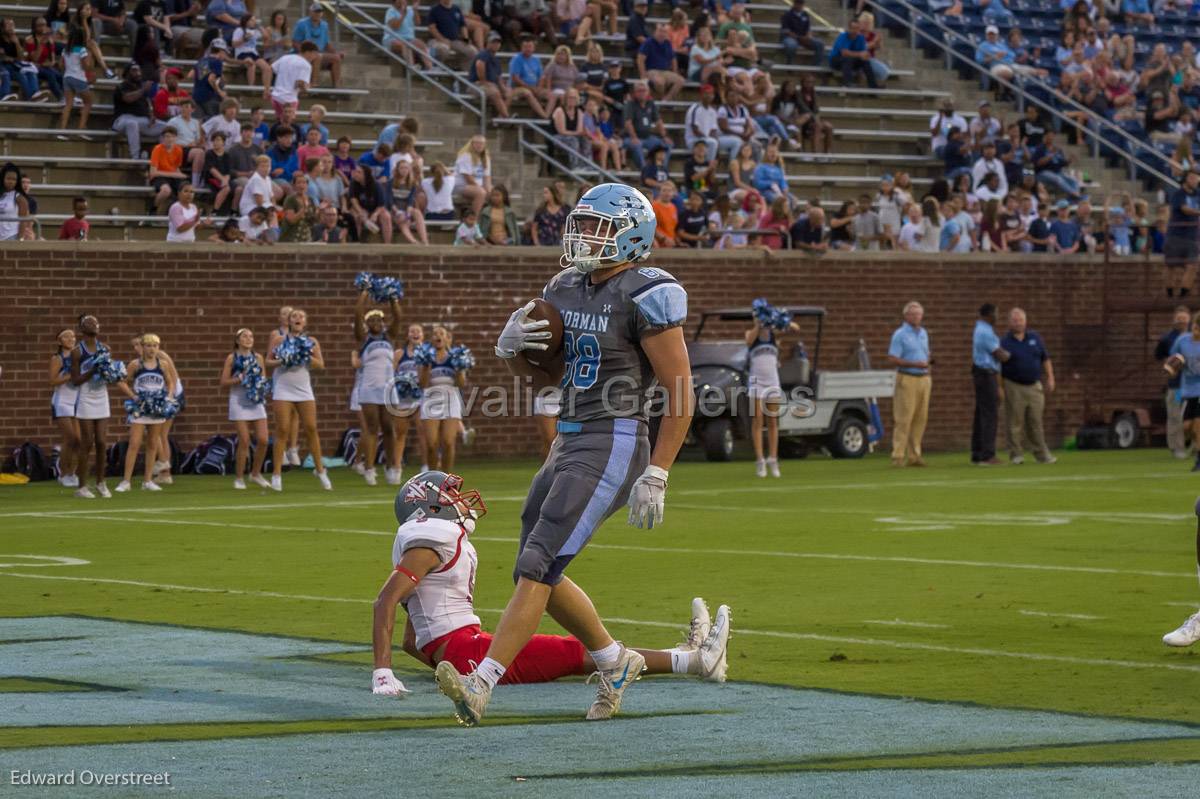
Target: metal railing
{"x":527,"y":130}
{"x":1091,"y":131}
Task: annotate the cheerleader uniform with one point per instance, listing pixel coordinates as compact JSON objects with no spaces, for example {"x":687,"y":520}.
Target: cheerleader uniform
{"x":91,"y":401}
{"x":147,"y":381}
{"x":179,"y":393}
{"x":764,"y":368}
{"x":241,"y":407}
{"x":406,"y":365}
{"x":355,"y":399}
{"x":442,"y":399}
{"x":376,"y":355}
{"x":291,"y":383}
{"x":62,"y":401}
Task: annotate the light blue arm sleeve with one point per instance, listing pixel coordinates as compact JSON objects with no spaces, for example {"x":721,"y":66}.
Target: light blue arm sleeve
{"x":662,"y":306}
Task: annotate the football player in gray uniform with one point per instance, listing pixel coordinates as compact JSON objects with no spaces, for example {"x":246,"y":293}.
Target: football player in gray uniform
{"x":622,"y":339}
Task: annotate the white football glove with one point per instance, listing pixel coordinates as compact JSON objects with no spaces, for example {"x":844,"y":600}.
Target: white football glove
{"x":646,"y":498}
{"x":522,"y":333}
{"x":384,"y":683}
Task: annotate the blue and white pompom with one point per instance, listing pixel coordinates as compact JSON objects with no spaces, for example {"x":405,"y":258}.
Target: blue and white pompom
{"x":257,"y":385}
{"x":408,"y":387}
{"x":295,"y":351}
{"x":362,"y":281}
{"x":769,"y":316}
{"x":152,"y":404}
{"x":461,"y":358}
{"x":385,"y":289}
{"x":107,"y":369}
{"x":425,"y":354}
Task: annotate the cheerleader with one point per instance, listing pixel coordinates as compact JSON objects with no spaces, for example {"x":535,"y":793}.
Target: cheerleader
{"x":148,"y":374}
{"x":245,"y":411}
{"x":766,"y":394}
{"x":405,"y":363}
{"x":91,"y":407}
{"x":377,"y":355}
{"x":62,"y":409}
{"x":441,"y":406}
{"x":161,"y":455}
{"x":294,"y":402}
{"x":546,"y":405}
{"x":293,"y":436}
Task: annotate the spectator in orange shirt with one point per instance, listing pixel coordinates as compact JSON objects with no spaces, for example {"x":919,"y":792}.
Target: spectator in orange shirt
{"x":76,"y":228}
{"x":165,"y":174}
{"x":667,"y":215}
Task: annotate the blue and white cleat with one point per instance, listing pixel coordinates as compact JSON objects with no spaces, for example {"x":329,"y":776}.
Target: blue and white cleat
{"x":613,"y":683}
{"x":469,"y":694}
{"x":712,"y":652}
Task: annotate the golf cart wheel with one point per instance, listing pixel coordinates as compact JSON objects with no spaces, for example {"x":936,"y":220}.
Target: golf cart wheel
{"x":849,"y":440}
{"x":1125,"y":431}
{"x":718,"y":439}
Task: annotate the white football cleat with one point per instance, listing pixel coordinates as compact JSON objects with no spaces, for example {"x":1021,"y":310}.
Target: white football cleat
{"x":102,"y":490}
{"x":1186,"y":634}
{"x":276,"y":483}
{"x":701,"y":624}
{"x":239,"y":484}
{"x":469,"y":694}
{"x":84,"y":493}
{"x":712,"y":652}
{"x":760,"y":468}
{"x":773,"y":466}
{"x":370,"y":477}
{"x":122,"y":487}
{"x":613,"y":683}
{"x":324,"y":478}
{"x":150,"y":485}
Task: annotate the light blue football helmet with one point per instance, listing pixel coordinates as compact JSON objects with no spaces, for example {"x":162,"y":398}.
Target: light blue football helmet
{"x":612,"y":224}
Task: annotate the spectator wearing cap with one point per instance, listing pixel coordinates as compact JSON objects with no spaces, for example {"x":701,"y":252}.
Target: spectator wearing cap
{"x":1063,"y":230}
{"x":909,"y":353}
{"x":166,"y":99}
{"x":941,"y":123}
{"x":849,"y":55}
{"x":315,"y":29}
{"x":637,"y":30}
{"x":795,"y":32}
{"x":700,"y":121}
{"x":988,"y":164}
{"x":485,"y":72}
{"x":208,"y":89}
{"x":1176,"y":440}
{"x":986,"y":357}
{"x":656,"y":65}
{"x":616,"y":90}
{"x":525,"y":76}
{"x":644,"y":128}
{"x":1024,"y":389}
{"x":1049,"y":160}
{"x":956,"y":155}
{"x":994,"y":54}
{"x":448,"y":31}
{"x":984,"y":127}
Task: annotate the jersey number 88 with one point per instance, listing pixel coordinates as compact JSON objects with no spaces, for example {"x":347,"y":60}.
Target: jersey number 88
{"x":582,"y":354}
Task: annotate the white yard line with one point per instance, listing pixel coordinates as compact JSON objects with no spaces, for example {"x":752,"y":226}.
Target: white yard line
{"x":1080,"y":616}
{"x":903,"y":623}
{"x":832,"y":639}
{"x":1182,"y":604}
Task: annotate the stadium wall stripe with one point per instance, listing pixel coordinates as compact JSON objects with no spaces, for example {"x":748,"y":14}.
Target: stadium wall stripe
{"x":672,"y":625}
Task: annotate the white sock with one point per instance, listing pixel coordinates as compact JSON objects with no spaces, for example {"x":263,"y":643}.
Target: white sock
{"x":682,"y":660}
{"x":606,"y":658}
{"x":490,"y":672}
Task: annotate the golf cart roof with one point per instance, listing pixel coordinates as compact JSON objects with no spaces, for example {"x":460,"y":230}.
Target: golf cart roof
{"x":744,"y":314}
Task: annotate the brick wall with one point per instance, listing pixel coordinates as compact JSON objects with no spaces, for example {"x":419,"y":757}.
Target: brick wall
{"x":195,"y":297}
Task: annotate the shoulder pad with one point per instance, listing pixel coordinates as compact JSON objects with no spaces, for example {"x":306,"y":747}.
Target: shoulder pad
{"x":658,"y":296}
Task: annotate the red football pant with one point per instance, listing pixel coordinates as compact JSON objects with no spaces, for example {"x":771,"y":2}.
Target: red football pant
{"x":544,"y":659}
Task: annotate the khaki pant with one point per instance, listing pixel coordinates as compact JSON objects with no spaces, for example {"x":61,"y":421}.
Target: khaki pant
{"x":1023,"y":407}
{"x":910,"y":411}
{"x":1176,"y":435}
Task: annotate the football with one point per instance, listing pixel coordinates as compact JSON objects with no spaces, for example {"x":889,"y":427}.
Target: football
{"x":1174,"y":364}
{"x":553,"y":351}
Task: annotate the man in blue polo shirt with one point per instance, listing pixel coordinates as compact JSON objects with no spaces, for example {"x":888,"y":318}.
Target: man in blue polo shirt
{"x":849,"y":55}
{"x":1176,"y":440}
{"x":447,"y":29}
{"x":909,"y":353}
{"x":525,"y":75}
{"x":986,"y":357}
{"x":1024,"y":389}
{"x":656,"y":65}
{"x":315,"y":29}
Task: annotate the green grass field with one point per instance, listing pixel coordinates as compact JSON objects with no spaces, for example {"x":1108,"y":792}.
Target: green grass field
{"x":1026,"y":604}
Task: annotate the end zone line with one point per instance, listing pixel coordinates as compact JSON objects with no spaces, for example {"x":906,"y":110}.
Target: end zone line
{"x":686,"y":551}
{"x":675,"y":625}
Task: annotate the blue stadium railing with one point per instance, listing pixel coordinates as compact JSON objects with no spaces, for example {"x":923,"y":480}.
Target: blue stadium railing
{"x":1108,"y":139}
